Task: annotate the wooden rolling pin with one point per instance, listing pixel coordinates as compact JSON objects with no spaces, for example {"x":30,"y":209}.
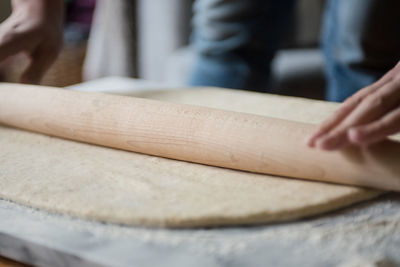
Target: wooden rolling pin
{"x":196,"y":134}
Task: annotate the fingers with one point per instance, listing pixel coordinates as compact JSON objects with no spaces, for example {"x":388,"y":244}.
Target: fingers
{"x":376,"y":131}
{"x":371,"y":108}
{"x":41,"y":60}
{"x":11,"y":43}
{"x":345,"y":109}
{"x":34,"y":27}
{"x":331,"y":122}
{"x":42,"y":51}
{"x":324,"y":131}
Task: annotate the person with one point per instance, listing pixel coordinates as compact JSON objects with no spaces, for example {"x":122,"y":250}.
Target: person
{"x":235,"y":41}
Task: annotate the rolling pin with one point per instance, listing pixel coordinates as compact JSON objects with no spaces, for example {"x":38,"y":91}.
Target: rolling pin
{"x":196,"y":134}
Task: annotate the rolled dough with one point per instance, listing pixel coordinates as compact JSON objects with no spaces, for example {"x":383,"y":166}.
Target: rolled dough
{"x":123,"y":187}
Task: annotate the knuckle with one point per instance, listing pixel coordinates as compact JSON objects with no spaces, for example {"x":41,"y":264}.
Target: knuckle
{"x":376,"y":101}
{"x":345,"y":105}
{"x":353,"y":100}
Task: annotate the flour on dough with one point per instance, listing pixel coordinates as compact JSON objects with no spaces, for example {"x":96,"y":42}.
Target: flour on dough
{"x":123,"y":187}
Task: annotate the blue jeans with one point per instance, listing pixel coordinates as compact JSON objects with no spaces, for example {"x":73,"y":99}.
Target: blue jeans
{"x":235,"y":42}
{"x":361,"y":42}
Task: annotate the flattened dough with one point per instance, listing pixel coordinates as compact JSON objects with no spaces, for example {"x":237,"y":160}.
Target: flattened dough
{"x":123,"y":187}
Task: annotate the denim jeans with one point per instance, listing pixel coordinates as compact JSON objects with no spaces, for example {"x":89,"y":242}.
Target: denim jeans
{"x":361,"y":42}
{"x":235,"y":42}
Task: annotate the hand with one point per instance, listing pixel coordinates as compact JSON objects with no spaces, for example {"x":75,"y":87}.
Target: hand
{"x":34,"y":27}
{"x":367,"y":117}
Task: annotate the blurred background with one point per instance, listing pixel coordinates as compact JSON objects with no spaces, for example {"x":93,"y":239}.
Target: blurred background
{"x":149,"y":39}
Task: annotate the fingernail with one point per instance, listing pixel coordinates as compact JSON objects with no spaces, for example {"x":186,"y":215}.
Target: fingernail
{"x":309,"y":141}
{"x":354,"y":135}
